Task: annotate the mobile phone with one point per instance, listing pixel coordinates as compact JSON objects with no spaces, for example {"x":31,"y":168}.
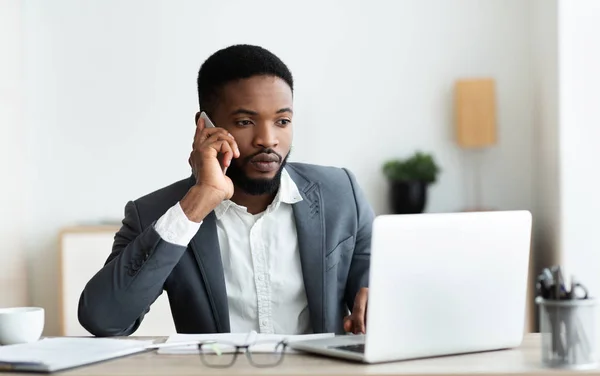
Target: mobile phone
{"x":209,"y":124}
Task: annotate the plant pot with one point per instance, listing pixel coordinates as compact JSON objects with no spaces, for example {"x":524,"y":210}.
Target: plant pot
{"x":408,"y":197}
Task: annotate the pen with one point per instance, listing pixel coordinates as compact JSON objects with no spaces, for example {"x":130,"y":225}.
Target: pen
{"x":545,"y":283}
{"x":557,"y":282}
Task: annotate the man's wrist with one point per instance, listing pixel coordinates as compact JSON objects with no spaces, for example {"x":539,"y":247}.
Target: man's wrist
{"x":174,"y":226}
{"x":198,"y":202}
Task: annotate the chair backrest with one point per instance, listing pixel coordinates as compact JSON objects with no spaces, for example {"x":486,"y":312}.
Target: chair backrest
{"x":83,"y":252}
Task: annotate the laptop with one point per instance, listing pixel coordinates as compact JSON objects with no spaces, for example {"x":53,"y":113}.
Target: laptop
{"x":441,"y":284}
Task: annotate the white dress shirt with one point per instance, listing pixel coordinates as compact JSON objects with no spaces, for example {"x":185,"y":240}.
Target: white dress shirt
{"x":261,"y":261}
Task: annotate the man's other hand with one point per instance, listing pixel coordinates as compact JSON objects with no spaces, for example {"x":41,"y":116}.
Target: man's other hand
{"x":356,"y":322}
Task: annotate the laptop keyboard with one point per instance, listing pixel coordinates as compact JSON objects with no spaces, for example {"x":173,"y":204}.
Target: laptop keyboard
{"x":360,"y":348}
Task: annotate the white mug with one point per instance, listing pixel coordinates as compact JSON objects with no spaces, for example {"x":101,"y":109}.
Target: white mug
{"x":21,"y":325}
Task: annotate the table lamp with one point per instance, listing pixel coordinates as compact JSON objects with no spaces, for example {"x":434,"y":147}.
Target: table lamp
{"x":475,"y":124}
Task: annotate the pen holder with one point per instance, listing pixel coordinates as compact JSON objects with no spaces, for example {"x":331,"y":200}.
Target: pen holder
{"x":568,"y":333}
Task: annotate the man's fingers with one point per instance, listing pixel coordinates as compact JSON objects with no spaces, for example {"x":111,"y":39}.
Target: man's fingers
{"x":199,"y":127}
{"x":359,"y":324}
{"x":225,"y":149}
{"x":206,"y":134}
{"x":214,"y":134}
{"x":348,"y":324}
{"x":200,"y":124}
{"x":359,"y":311}
{"x":234,"y":146}
{"x":203,"y":133}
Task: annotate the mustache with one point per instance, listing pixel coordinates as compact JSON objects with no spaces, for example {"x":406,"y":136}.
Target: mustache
{"x":262,"y":151}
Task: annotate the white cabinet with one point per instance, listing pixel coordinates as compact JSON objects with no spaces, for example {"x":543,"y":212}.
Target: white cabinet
{"x":83,"y":251}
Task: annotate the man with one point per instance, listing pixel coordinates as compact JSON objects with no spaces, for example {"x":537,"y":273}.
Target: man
{"x":248,"y":242}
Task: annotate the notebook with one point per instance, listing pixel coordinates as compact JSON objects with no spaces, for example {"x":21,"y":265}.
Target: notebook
{"x":189,"y":341}
{"x":55,"y":354}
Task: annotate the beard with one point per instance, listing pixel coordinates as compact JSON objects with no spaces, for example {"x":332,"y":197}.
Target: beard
{"x":251,"y":186}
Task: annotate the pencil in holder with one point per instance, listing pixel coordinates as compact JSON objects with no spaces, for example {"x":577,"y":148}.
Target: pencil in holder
{"x":568,"y":333}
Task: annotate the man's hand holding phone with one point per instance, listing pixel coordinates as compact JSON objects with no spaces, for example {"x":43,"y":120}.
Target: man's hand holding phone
{"x":212,"y":185}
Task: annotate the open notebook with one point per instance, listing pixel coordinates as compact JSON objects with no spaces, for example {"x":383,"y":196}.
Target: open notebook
{"x":259,"y":342}
{"x":55,"y":354}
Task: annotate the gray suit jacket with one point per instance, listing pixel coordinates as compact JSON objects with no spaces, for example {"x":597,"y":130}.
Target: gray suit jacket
{"x":333,"y":223}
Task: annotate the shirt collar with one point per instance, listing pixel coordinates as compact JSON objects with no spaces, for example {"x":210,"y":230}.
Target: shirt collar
{"x":288,"y":193}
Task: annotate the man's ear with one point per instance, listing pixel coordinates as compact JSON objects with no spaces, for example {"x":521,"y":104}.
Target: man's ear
{"x":197,"y":117}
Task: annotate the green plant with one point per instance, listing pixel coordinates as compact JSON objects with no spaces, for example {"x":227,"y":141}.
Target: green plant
{"x":418,"y":167}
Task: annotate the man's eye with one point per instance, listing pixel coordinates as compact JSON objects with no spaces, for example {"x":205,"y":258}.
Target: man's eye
{"x":243,"y":123}
{"x":284,"y":122}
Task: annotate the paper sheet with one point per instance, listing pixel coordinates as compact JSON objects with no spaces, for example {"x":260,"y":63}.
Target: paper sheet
{"x":258,"y":339}
{"x":63,"y":352}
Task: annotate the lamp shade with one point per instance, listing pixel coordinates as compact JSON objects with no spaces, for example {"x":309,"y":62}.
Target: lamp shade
{"x":475,"y":113}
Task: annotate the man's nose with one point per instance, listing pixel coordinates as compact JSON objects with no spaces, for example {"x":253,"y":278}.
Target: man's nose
{"x":265,"y":136}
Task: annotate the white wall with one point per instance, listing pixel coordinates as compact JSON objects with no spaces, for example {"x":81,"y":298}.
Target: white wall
{"x":13,"y":280}
{"x":579,"y":83}
{"x":111,"y":97}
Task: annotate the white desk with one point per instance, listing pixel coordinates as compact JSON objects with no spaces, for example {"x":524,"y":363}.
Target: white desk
{"x":524,"y":360}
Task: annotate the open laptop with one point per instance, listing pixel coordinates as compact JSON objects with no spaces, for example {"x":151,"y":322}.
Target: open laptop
{"x":441,"y":284}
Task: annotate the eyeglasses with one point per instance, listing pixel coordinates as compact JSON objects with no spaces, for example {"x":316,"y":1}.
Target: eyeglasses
{"x":261,"y":354}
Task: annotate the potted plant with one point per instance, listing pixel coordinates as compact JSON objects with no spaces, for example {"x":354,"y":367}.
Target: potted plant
{"x":409,"y":179}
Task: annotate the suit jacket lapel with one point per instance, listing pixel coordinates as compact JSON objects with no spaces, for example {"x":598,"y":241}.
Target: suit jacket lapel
{"x":310,"y":225}
{"x":205,"y":246}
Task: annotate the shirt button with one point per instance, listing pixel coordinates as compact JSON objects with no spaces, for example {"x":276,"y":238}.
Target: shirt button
{"x":261,"y":277}
{"x":265,"y":322}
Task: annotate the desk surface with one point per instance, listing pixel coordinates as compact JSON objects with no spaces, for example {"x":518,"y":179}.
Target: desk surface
{"x":524,"y":360}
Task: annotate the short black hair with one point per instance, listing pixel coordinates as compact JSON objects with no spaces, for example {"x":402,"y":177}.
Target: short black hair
{"x":235,"y":63}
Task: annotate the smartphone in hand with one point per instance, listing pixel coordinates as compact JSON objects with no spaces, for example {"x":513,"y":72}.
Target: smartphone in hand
{"x":207,"y":122}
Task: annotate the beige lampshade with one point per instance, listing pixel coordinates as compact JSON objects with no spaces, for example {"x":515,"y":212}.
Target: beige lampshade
{"x":475,"y":113}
